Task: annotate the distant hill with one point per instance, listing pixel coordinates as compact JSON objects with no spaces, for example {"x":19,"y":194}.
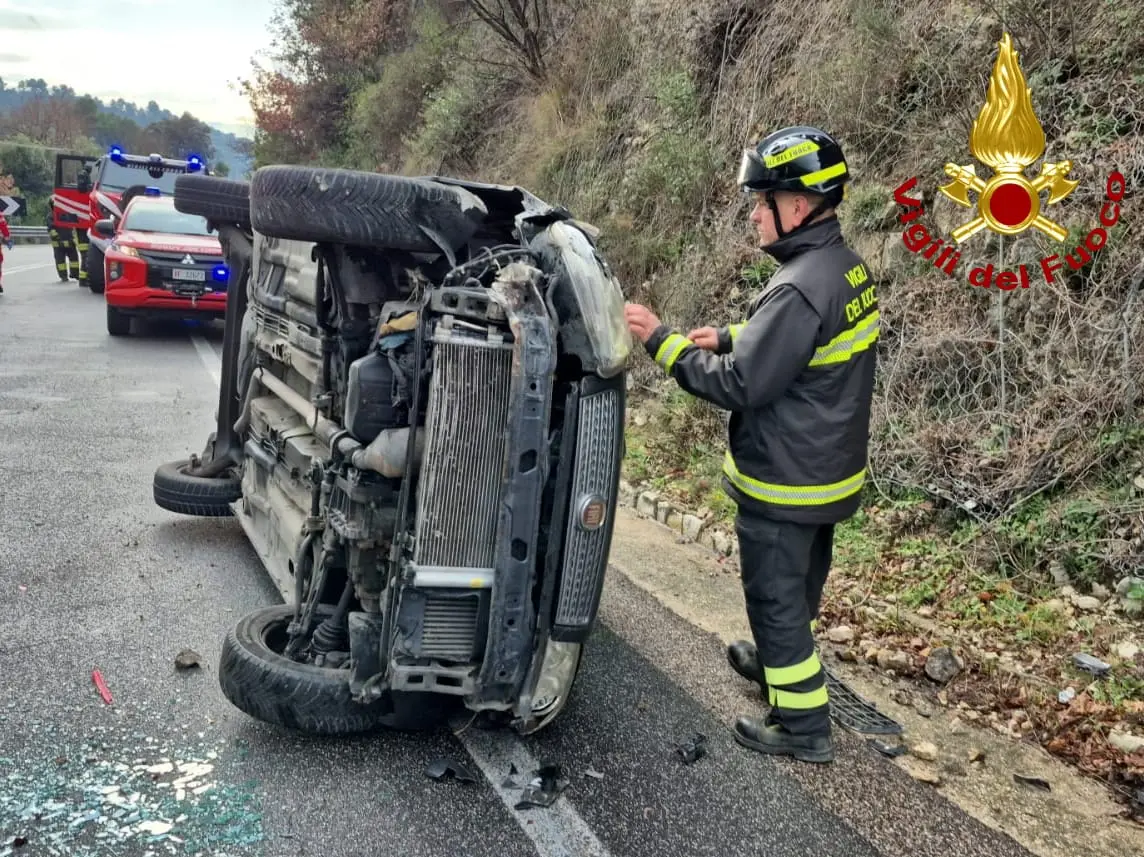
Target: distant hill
{"x":229,"y":148}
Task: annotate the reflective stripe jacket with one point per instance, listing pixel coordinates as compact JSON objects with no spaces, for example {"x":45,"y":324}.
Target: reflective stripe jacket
{"x":798,"y":379}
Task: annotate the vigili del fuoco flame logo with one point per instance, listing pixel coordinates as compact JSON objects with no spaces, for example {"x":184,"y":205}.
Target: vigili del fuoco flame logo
{"x":1008,"y":138}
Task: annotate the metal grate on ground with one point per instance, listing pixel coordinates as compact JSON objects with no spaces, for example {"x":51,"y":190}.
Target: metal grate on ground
{"x":851,"y":711}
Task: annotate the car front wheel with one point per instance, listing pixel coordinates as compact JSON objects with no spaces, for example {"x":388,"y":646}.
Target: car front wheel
{"x":262,"y":682}
{"x":118,"y":324}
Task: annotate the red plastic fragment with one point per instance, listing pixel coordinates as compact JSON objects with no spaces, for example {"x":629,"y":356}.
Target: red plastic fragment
{"x":101,"y":686}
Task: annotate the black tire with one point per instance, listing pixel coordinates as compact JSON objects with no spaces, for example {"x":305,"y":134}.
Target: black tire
{"x":130,"y":194}
{"x":274,"y":689}
{"x":362,"y":209}
{"x":177,"y":491}
{"x":215,"y":198}
{"x":95,"y":270}
{"x":118,"y":324}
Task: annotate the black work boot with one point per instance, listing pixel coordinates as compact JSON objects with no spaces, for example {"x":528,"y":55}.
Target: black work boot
{"x":773,"y":739}
{"x":744,"y":660}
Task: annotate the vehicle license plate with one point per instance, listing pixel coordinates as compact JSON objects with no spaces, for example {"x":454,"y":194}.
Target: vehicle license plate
{"x":188,"y":274}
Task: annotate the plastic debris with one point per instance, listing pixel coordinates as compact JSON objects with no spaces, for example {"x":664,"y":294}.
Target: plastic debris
{"x":188,"y":659}
{"x":442,"y":768}
{"x":594,"y":774}
{"x":1033,"y":782}
{"x":1066,"y":696}
{"x":885,"y":749}
{"x":543,"y":789}
{"x":1090,"y":664}
{"x":694,"y":750}
{"x":101,"y":686}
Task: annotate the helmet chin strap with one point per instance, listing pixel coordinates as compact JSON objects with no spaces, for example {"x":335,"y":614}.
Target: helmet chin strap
{"x":817,"y":210}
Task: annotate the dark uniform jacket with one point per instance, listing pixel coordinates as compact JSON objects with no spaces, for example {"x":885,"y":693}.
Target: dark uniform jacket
{"x":797,"y":377}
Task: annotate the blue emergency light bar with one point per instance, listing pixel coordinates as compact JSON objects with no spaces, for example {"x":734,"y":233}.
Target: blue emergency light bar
{"x":152,"y":191}
{"x":220,"y":273}
{"x":194,"y":163}
{"x":115,"y":152}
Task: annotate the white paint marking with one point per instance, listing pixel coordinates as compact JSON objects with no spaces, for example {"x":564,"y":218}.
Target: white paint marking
{"x":557,"y":831}
{"x":209,"y":357}
{"x":23,"y":268}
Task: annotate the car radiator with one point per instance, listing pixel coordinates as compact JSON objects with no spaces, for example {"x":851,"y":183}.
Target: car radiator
{"x":458,"y":502}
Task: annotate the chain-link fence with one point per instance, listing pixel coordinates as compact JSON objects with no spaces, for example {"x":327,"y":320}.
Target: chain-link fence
{"x":990,"y":397}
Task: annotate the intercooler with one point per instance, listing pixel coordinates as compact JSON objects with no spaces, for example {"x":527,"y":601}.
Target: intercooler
{"x":458,"y":497}
{"x":465,"y":451}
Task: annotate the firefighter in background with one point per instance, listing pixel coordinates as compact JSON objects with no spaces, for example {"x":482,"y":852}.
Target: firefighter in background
{"x":798,"y":378}
{"x":63,"y":248}
{"x":7,"y":233}
{"x":83,"y":182}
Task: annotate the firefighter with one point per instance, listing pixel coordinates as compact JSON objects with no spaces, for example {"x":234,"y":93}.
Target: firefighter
{"x":7,"y":233}
{"x":63,"y":248}
{"x":798,"y":377}
{"x":83,"y":184}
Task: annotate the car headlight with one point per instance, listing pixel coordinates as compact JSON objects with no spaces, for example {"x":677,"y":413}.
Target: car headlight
{"x":598,"y":299}
{"x":127,"y":251}
{"x":556,"y":674}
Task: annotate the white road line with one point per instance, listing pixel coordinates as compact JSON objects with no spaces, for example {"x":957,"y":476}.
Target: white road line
{"x":23,"y":268}
{"x":209,"y":357}
{"x":559,"y":830}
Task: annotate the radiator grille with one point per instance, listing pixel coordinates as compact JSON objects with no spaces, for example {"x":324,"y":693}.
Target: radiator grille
{"x":465,"y":450}
{"x":449,"y":632}
{"x":595,"y":473}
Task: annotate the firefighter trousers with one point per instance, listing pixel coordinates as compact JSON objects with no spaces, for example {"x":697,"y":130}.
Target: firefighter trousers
{"x":67,"y":259}
{"x":82,"y":246}
{"x":784,"y":567}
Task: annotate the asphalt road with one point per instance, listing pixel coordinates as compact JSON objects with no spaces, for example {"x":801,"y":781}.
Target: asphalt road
{"x":94,"y":576}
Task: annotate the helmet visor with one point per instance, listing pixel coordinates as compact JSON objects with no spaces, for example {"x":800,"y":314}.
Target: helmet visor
{"x":754,"y":175}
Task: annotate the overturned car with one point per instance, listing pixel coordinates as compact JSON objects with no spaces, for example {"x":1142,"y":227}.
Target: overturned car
{"x":420,"y":429}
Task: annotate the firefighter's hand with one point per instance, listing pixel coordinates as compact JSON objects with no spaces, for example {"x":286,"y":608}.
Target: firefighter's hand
{"x":642,"y":322}
{"x":705,"y":337}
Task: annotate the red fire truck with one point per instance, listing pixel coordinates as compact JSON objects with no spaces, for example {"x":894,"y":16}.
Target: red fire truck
{"x":90,"y":189}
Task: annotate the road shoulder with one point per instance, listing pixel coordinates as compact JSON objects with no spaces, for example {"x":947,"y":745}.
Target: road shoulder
{"x":702,"y":588}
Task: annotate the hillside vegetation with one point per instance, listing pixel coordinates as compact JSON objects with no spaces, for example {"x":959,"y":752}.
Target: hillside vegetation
{"x":1008,"y":448}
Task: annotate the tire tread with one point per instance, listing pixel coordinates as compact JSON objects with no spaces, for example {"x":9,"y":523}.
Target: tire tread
{"x":363,"y":209}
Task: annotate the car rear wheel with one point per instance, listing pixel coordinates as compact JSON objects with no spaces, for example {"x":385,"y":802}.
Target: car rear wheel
{"x":262,"y":682}
{"x":362,"y":209}
{"x":118,"y":324}
{"x":176,"y":490}
{"x":217,"y":199}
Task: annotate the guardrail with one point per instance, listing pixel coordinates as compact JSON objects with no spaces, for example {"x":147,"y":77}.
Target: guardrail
{"x":29,"y":234}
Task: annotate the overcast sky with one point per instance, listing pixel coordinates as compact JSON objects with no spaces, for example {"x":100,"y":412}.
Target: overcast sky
{"x":141,"y":50}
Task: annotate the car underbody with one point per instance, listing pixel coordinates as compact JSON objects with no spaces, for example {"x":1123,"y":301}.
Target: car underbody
{"x":420,"y":431}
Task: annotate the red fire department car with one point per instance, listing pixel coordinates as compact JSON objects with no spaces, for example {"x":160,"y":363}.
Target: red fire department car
{"x":88,"y":189}
{"x":160,"y":263}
